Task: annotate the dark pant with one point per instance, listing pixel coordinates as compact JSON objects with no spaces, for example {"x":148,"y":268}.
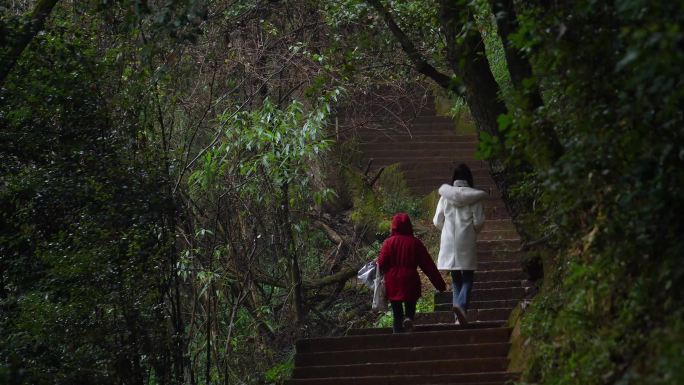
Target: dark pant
{"x":398,"y":314}
{"x":462,"y":286}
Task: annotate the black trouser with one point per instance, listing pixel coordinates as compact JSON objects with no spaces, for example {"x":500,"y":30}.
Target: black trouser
{"x":398,"y":313}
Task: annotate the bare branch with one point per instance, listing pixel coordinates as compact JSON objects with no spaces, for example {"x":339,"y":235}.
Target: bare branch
{"x":421,"y":65}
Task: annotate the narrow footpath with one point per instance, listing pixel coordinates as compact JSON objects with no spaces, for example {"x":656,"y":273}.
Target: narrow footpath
{"x":437,"y":351}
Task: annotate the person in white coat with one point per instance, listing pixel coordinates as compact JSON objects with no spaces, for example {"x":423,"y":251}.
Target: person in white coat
{"x":460,"y":216}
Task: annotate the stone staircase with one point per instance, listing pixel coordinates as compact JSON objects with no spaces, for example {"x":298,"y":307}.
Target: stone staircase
{"x":437,"y":351}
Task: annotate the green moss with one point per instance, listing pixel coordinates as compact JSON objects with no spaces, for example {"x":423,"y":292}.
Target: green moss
{"x":428,"y":204}
{"x":280,"y":372}
{"x":519,"y":353}
{"x":373,"y":207}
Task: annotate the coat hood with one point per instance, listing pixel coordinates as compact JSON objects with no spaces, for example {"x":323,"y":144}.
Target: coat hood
{"x":460,"y":194}
{"x":401,"y":224}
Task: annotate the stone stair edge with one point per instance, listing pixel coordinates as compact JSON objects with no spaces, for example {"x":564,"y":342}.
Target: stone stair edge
{"x":427,"y":333}
{"x":404,"y":349}
{"x":401,"y":336}
{"x":427,"y":367}
{"x":453,"y":360}
{"x":411,"y":379}
{"x":450,"y":326}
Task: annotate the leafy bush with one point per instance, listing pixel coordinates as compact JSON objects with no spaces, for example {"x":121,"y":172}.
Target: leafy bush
{"x":608,"y":211}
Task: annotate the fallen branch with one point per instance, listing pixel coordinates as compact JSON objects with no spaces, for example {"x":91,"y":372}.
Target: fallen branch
{"x":333,"y":235}
{"x":376,"y":177}
{"x":526,"y":245}
{"x":341,"y":276}
{"x":368,"y":167}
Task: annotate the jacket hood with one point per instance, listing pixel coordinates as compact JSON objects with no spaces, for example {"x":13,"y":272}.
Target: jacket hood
{"x":401,"y":224}
{"x":460,"y":194}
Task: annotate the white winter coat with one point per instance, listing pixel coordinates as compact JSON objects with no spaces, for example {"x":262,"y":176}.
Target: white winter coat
{"x":460,"y":216}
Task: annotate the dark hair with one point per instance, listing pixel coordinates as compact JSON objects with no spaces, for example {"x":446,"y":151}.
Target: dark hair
{"x":462,"y":172}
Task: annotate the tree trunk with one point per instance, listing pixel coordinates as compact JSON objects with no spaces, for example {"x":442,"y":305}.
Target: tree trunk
{"x":518,"y":66}
{"x":466,"y":57}
{"x":17,"y":44}
{"x":293,"y":258}
{"x":520,"y":69}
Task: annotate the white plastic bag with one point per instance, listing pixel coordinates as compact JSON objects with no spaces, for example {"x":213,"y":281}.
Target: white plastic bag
{"x":367,"y":274}
{"x":379,"y":293}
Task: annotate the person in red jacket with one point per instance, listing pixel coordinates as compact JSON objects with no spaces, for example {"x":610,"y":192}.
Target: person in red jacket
{"x":400,"y":256}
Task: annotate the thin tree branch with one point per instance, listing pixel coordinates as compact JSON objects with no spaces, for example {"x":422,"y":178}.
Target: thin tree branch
{"x":421,"y":65}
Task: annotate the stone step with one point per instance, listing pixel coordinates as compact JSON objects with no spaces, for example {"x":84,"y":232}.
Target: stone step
{"x":401,"y":135}
{"x":418,"y":353}
{"x":381,"y":112}
{"x":481,"y":305}
{"x":499,"y":256}
{"x":418,"y":121}
{"x":441,"y":166}
{"x":498,"y":245}
{"x":398,"y":133}
{"x":499,"y":275}
{"x":498,"y":235}
{"x":380,"y":109}
{"x":401,"y":122}
{"x":436,"y":338}
{"x":448,"y":366}
{"x":500,"y":377}
{"x":501,"y":284}
{"x":444,"y":159}
{"x":497,"y":213}
{"x":440,"y":148}
{"x":500,"y":224}
{"x":426,"y":328}
{"x":434,"y":154}
{"x":474,"y":315}
{"x":435,"y":178}
{"x":498,"y":265}
{"x":429,"y":181}
{"x":414,"y":169}
{"x":504,"y":293}
{"x":477,"y":167}
{"x":489,"y":229}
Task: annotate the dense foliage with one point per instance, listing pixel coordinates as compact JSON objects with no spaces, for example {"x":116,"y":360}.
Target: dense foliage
{"x":593,"y":169}
{"x":160,"y":185}
{"x":84,"y":241}
{"x":175,"y":207}
{"x":610,"y":207}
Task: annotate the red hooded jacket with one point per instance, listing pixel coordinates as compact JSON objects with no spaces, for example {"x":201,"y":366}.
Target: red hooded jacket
{"x":400,"y":256}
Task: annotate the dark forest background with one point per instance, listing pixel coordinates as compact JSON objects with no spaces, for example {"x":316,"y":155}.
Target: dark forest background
{"x":177,"y":207}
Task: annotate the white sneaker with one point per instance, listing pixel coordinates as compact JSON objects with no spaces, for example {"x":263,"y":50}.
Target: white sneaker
{"x":460,"y":315}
